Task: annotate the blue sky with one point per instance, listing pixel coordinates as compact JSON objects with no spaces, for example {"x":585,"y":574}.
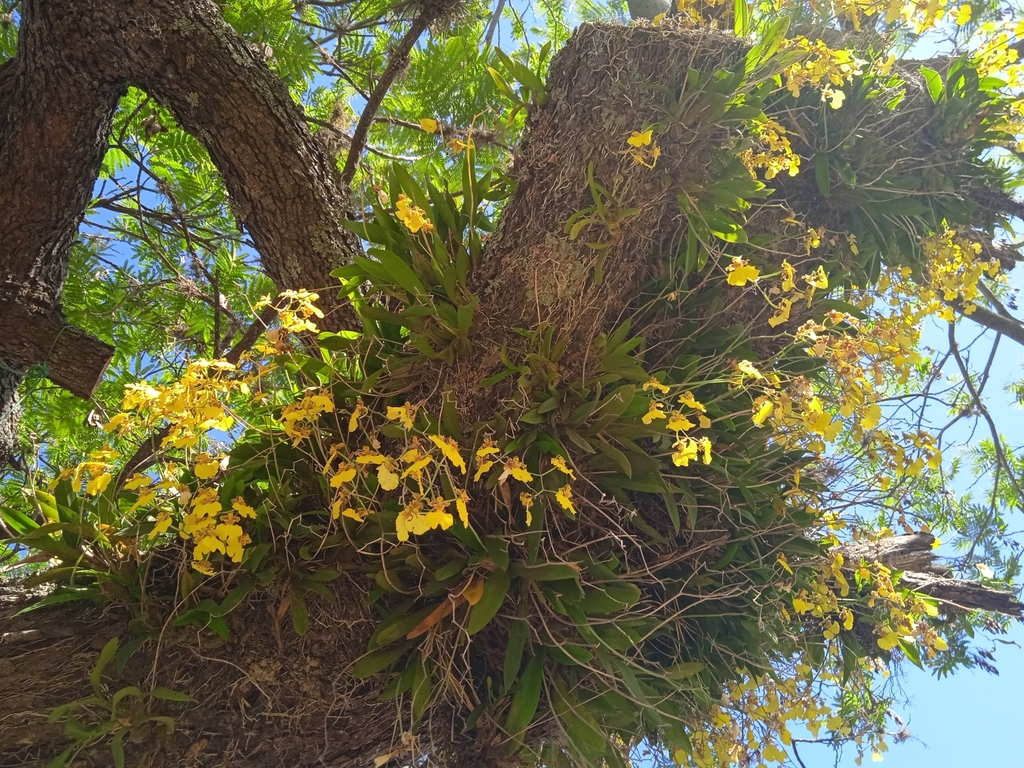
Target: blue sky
{"x":970,"y":718}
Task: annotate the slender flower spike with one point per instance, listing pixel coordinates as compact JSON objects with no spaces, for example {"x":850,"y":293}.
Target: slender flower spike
{"x":639,"y":138}
{"x":741,"y":272}
{"x":559,"y":463}
{"x":653,"y":383}
{"x":450,"y":450}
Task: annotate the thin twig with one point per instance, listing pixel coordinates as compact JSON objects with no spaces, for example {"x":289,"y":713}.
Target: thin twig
{"x":997,"y":441}
{"x":796,"y":754}
{"x":215,"y":346}
{"x":398,"y":59}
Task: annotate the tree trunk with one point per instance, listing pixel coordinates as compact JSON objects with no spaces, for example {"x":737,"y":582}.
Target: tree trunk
{"x":266,"y":697}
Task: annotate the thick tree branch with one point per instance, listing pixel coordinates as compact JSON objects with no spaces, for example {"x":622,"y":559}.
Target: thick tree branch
{"x":1010,"y":327}
{"x":57,"y":101}
{"x":71,"y":358}
{"x":915,"y":557}
{"x":54,"y":122}
{"x":283,"y":187}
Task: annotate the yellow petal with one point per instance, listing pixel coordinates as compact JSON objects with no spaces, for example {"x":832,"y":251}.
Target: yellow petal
{"x":740,"y":273}
{"x":763,"y":412}
{"x":137,"y":481}
{"x":559,"y":463}
{"x":639,"y":139}
{"x":388,"y":480}
{"x":481,"y":467}
{"x":564,"y":497}
{"x":98,"y":484}
{"x":888,"y":641}
{"x":450,"y":450}
{"x":206,"y":467}
{"x":244,"y":510}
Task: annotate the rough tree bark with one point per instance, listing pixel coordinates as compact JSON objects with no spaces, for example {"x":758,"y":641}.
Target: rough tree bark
{"x":267,"y":697}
